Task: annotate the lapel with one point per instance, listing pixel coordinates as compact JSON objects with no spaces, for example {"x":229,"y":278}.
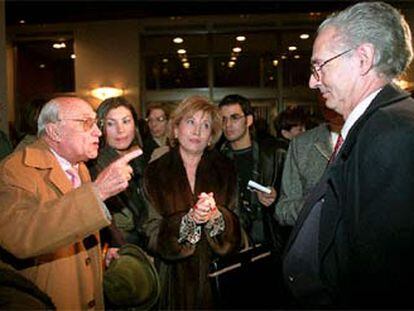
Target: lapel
{"x":38,"y":155}
{"x":323,"y":142}
{"x":332,"y":212}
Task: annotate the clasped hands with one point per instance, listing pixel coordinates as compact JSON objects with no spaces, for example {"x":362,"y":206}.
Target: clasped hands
{"x":204,"y":209}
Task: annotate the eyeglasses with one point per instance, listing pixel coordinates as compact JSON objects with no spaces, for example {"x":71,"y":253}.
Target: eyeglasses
{"x":157,"y":120}
{"x":234,"y":118}
{"x":315,"y":68}
{"x":87,"y":123}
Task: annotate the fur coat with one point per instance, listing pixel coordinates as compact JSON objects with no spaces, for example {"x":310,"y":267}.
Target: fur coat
{"x":183,"y":267}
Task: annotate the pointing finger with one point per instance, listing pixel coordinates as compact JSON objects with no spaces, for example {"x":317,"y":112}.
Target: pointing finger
{"x":129,"y":156}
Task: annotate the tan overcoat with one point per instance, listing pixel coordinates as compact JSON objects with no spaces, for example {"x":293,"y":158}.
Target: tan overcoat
{"x":48,"y":231}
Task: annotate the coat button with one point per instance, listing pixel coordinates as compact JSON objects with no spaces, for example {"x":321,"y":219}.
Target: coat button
{"x":88,"y":261}
{"x":291,"y":278}
{"x":91,"y":304}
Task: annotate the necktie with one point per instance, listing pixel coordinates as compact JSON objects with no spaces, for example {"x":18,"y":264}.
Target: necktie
{"x":74,"y":177}
{"x":337,"y":146}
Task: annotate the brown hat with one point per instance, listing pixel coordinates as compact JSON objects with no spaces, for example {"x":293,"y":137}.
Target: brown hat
{"x":131,"y":280}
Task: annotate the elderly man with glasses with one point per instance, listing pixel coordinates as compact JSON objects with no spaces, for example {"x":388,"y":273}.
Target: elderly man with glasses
{"x":352,"y":246}
{"x":50,"y":211}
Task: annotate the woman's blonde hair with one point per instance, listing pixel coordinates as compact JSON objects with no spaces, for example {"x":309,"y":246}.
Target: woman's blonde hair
{"x":190,"y":106}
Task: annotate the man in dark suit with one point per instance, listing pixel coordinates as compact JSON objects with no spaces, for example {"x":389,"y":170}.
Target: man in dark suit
{"x":353,"y":244}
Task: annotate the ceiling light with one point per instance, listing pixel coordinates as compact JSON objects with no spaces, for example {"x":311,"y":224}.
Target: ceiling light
{"x":292,"y":48}
{"x":233,"y":58}
{"x":283,"y":57}
{"x":22,"y":21}
{"x":296,"y":56}
{"x":186,"y":65}
{"x":181,"y":51}
{"x":237,"y":49}
{"x":178,"y":40}
{"x":42,"y":66}
{"x":165,"y":60}
{"x":60,"y":45}
{"x":241,"y":38}
{"x":103,"y":93}
{"x":231,"y":64}
{"x":73,"y":56}
{"x":304,"y":36}
{"x":275,"y":62}
{"x":184,"y":59}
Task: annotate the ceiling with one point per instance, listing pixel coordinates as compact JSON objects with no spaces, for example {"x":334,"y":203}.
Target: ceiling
{"x":43,"y":12}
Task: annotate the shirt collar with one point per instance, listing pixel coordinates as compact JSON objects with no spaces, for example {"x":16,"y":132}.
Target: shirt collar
{"x":64,"y":164}
{"x":357,"y":113}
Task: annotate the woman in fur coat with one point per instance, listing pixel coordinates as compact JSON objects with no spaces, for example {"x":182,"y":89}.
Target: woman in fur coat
{"x":191,"y":193}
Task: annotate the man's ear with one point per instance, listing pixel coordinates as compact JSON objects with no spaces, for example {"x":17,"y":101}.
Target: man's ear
{"x":249,"y":120}
{"x":53,"y":132}
{"x":366,"y":53}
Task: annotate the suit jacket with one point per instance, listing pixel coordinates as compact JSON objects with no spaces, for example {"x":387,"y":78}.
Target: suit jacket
{"x":48,"y":230}
{"x":366,"y":232}
{"x":306,"y":160}
{"x":184,"y":267}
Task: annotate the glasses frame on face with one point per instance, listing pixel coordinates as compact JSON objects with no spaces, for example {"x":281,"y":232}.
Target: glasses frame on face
{"x":315,"y":68}
{"x":87,"y":123}
{"x":157,"y":120}
{"x":234,"y":118}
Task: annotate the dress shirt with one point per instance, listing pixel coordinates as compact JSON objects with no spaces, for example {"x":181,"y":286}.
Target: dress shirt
{"x":357,"y":113}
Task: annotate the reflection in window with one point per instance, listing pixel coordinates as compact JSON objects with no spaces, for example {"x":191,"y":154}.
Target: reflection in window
{"x":171,"y":71}
{"x":243,"y":71}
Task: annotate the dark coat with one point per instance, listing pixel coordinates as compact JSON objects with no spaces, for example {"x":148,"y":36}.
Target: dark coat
{"x":127,"y":208}
{"x":256,"y":219}
{"x":366,"y":232}
{"x":183,"y":268}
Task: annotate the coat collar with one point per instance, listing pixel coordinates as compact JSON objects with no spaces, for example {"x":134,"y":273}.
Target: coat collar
{"x":323,"y":142}
{"x":38,"y":155}
{"x":387,"y":96}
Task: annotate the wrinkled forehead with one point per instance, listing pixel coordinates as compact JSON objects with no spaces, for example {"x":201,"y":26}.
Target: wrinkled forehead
{"x":75,"y":108}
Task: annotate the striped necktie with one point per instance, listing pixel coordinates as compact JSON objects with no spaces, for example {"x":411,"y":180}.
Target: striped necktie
{"x":74,"y":177}
{"x":338,"y":145}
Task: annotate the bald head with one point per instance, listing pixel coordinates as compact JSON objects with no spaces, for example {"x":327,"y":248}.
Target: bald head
{"x":68,"y":125}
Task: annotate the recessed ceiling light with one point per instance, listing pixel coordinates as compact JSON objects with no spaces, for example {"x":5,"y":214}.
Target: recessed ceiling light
{"x":165,"y":60}
{"x":283,"y":57}
{"x":304,"y":36}
{"x":292,"y":48}
{"x":73,"y":56}
{"x":233,"y":58}
{"x":186,"y":65}
{"x":241,"y":38}
{"x":231,"y":64}
{"x":22,"y":21}
{"x":275,"y":62}
{"x":178,"y":40}
{"x":296,"y":56}
{"x":184,"y":59}
{"x":60,"y":45}
{"x":181,"y":51}
{"x":42,"y":66}
{"x":237,"y":49}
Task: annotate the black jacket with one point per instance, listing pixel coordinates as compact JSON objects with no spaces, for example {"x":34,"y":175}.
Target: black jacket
{"x":366,"y":231}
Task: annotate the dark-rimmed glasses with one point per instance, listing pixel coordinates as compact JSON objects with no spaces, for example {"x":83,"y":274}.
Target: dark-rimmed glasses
{"x":315,"y":68}
{"x":87,"y":123}
{"x":234,"y":118}
{"x":157,"y":120}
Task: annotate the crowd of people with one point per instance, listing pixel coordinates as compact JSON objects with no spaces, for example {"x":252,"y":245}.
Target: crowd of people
{"x":101,"y":209}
